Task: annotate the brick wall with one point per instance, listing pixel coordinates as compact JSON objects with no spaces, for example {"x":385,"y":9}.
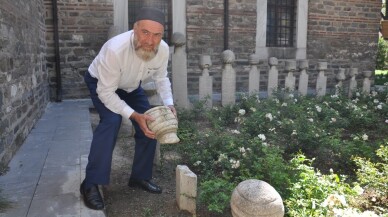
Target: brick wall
{"x":344,"y":32}
{"x":83,"y":28}
{"x":23,"y":74}
{"x":205,"y":35}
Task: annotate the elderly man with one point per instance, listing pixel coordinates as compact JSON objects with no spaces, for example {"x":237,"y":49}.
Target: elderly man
{"x":114,"y":81}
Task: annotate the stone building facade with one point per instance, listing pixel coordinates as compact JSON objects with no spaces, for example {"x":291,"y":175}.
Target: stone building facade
{"x":345,"y":33}
{"x":341,"y":32}
{"x":24,"y":90}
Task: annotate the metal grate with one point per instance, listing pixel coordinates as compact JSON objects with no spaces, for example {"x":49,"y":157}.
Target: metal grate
{"x":164,"y":5}
{"x":281,"y":23}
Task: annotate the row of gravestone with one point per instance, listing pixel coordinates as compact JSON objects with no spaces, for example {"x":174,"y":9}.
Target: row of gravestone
{"x":228,"y":91}
{"x":228,"y":86}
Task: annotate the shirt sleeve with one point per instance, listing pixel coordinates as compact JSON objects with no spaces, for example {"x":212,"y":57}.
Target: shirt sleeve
{"x":109,"y":77}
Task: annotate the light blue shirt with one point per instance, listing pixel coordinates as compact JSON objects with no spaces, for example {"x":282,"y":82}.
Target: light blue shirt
{"x":118,"y":67}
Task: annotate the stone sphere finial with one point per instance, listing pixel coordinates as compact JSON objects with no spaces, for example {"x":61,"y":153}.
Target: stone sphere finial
{"x":178,"y":39}
{"x":353,"y":72}
{"x":228,"y":57}
{"x":290,"y":65}
{"x":322,"y":65}
{"x":367,"y":74}
{"x":303,"y":64}
{"x":256,"y":198}
{"x":254,"y":59}
{"x":341,"y":76}
{"x":273,"y":61}
{"x":205,"y":61}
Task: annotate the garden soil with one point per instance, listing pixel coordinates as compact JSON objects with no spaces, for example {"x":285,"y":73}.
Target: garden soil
{"x":122,"y":201}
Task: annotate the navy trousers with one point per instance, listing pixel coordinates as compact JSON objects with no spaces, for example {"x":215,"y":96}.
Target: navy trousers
{"x":105,"y":135}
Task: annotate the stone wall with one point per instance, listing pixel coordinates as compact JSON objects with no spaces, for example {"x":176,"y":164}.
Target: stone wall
{"x":345,"y":33}
{"x":23,"y":73}
{"x":83,"y":28}
{"x":205,"y":35}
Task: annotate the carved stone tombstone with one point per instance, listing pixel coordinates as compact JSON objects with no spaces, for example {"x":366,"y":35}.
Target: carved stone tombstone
{"x":256,"y":198}
{"x":322,"y":79}
{"x":340,"y":77}
{"x":186,"y":189}
{"x":304,"y":77}
{"x":272,"y":75}
{"x":206,"y":81}
{"x":366,"y":82}
{"x":228,"y":89}
{"x":353,"y":82}
{"x":254,"y":74}
{"x":290,"y":79}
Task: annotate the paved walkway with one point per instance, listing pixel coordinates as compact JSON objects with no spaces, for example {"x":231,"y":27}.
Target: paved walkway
{"x":46,"y":172}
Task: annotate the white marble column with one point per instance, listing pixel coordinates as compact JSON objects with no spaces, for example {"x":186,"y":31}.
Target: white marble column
{"x":120,"y":16}
{"x":179,"y":16}
{"x":179,"y":71}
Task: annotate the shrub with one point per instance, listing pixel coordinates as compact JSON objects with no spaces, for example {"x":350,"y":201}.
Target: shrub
{"x":216,"y":193}
{"x":314,"y":194}
{"x":373,"y":177}
{"x":256,"y":138}
{"x":382,"y":54}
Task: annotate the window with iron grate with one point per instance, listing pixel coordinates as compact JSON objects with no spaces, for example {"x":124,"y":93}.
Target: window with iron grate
{"x":164,"y":5}
{"x":281,"y":23}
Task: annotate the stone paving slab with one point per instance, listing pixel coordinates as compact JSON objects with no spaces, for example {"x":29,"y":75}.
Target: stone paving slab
{"x":45,"y":174}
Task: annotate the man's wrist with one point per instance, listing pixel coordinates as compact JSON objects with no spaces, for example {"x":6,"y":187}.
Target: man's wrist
{"x":133,"y":115}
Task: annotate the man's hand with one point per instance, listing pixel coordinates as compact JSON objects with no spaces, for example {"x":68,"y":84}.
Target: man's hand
{"x":173,"y":110}
{"x":141,"y":119}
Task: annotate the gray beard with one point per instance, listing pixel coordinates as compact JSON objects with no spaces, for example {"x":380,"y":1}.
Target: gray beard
{"x":144,"y":54}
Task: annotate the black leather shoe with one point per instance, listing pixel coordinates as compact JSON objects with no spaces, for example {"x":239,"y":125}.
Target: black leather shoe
{"x":146,"y":185}
{"x":92,"y":197}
